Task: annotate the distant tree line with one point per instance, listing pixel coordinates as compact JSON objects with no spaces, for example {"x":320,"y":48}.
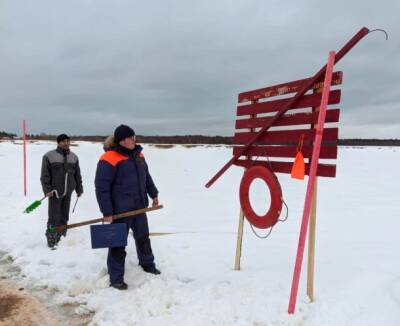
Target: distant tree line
{"x":368,"y":142}
{"x":186,"y":139}
{"x":4,"y":134}
{"x":199,"y":139}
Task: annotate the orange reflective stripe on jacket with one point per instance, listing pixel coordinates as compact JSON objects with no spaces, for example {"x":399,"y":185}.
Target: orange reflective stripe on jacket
{"x":113,"y":157}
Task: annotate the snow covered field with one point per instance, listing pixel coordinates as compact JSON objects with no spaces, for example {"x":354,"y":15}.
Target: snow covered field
{"x":357,"y":278}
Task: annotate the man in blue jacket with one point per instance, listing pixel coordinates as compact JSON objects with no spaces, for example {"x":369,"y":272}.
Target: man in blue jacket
{"x":123,"y":183}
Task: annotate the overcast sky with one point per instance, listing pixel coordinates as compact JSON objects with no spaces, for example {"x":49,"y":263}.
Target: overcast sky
{"x":176,"y":67}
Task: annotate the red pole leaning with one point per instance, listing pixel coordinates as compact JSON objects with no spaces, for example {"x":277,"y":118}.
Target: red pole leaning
{"x":24,"y":152}
{"x":311,"y":182}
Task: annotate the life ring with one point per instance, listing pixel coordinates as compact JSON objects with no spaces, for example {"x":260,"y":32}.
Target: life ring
{"x":272,"y":215}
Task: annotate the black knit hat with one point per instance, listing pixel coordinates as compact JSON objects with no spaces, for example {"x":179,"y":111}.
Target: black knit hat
{"x":62,"y":137}
{"x":122,"y":132}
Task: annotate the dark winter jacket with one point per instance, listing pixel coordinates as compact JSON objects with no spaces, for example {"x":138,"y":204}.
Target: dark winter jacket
{"x":123,"y":181}
{"x":61,"y":172}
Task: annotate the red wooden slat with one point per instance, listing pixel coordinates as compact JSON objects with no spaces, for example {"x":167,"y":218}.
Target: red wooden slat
{"x":324,"y":170}
{"x":327,"y":152}
{"x":286,"y":88}
{"x":273,"y":106}
{"x":285,"y":136}
{"x":288,"y":119}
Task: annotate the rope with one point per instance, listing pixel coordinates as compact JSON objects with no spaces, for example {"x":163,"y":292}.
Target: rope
{"x":270,"y":230}
{"x":261,"y":236}
{"x":287,"y":208}
{"x":287,"y":212}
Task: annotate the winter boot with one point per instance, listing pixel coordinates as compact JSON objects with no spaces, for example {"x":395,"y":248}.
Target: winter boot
{"x":151,"y":269}
{"x":51,"y":236}
{"x":59,"y":234}
{"x":58,"y":237}
{"x":120,"y":285}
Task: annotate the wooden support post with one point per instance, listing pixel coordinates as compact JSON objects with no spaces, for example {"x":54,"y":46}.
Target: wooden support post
{"x":241,"y":222}
{"x":311,"y":245}
{"x":239,"y":241}
{"x":312,"y":223}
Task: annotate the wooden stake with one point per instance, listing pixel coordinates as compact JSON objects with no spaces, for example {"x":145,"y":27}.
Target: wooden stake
{"x":311,"y":245}
{"x":239,"y":241}
{"x":241,"y":220}
{"x":311,"y":224}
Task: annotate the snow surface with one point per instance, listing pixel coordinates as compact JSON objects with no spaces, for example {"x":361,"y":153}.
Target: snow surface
{"x":357,"y":280}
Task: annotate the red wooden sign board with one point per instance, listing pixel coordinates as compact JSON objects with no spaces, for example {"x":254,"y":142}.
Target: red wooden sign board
{"x":281,"y":106}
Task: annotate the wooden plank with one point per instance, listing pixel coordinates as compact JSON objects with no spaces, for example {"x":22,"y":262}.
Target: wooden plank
{"x":289,"y":119}
{"x":327,"y":152}
{"x":285,"y":88}
{"x":286,"y":136}
{"x":272,"y":106}
{"x":324,"y":170}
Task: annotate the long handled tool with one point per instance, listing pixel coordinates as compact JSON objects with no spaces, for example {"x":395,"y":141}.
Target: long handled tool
{"x":37,"y":203}
{"x":34,"y":205}
{"x":61,"y":228}
{"x":76,"y":202}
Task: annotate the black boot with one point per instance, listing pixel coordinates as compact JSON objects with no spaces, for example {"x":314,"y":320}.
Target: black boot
{"x":59,"y":234}
{"x":51,"y":236}
{"x":58,"y":237}
{"x":120,"y":285}
{"x":151,"y":269}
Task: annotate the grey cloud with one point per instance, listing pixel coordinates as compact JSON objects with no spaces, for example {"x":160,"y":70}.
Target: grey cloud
{"x":176,"y":67}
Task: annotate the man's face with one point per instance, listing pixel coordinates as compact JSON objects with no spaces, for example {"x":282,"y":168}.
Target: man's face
{"x":129,"y":142}
{"x":64,"y":144}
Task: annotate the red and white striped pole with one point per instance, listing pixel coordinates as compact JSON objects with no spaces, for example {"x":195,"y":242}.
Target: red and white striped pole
{"x":24,"y":152}
{"x":311,"y":182}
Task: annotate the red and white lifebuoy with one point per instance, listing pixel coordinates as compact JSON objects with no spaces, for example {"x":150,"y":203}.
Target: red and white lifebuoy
{"x":272,"y":215}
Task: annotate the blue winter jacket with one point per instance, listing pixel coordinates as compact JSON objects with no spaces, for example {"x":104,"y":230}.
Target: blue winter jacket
{"x":123,"y":181}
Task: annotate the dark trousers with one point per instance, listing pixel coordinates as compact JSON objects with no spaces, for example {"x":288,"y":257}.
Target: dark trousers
{"x":59,"y":210}
{"x":116,"y":256}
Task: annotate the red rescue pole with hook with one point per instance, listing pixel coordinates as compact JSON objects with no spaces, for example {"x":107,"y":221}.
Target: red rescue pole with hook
{"x":24,"y":153}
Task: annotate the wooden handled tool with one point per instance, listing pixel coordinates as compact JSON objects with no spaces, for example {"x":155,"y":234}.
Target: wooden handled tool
{"x":136,"y":212}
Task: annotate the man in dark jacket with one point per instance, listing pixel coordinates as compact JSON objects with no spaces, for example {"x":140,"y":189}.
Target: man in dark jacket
{"x":60,"y":176}
{"x":123,"y":183}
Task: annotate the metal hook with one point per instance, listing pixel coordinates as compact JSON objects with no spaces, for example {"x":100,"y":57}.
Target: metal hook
{"x":380,"y":30}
